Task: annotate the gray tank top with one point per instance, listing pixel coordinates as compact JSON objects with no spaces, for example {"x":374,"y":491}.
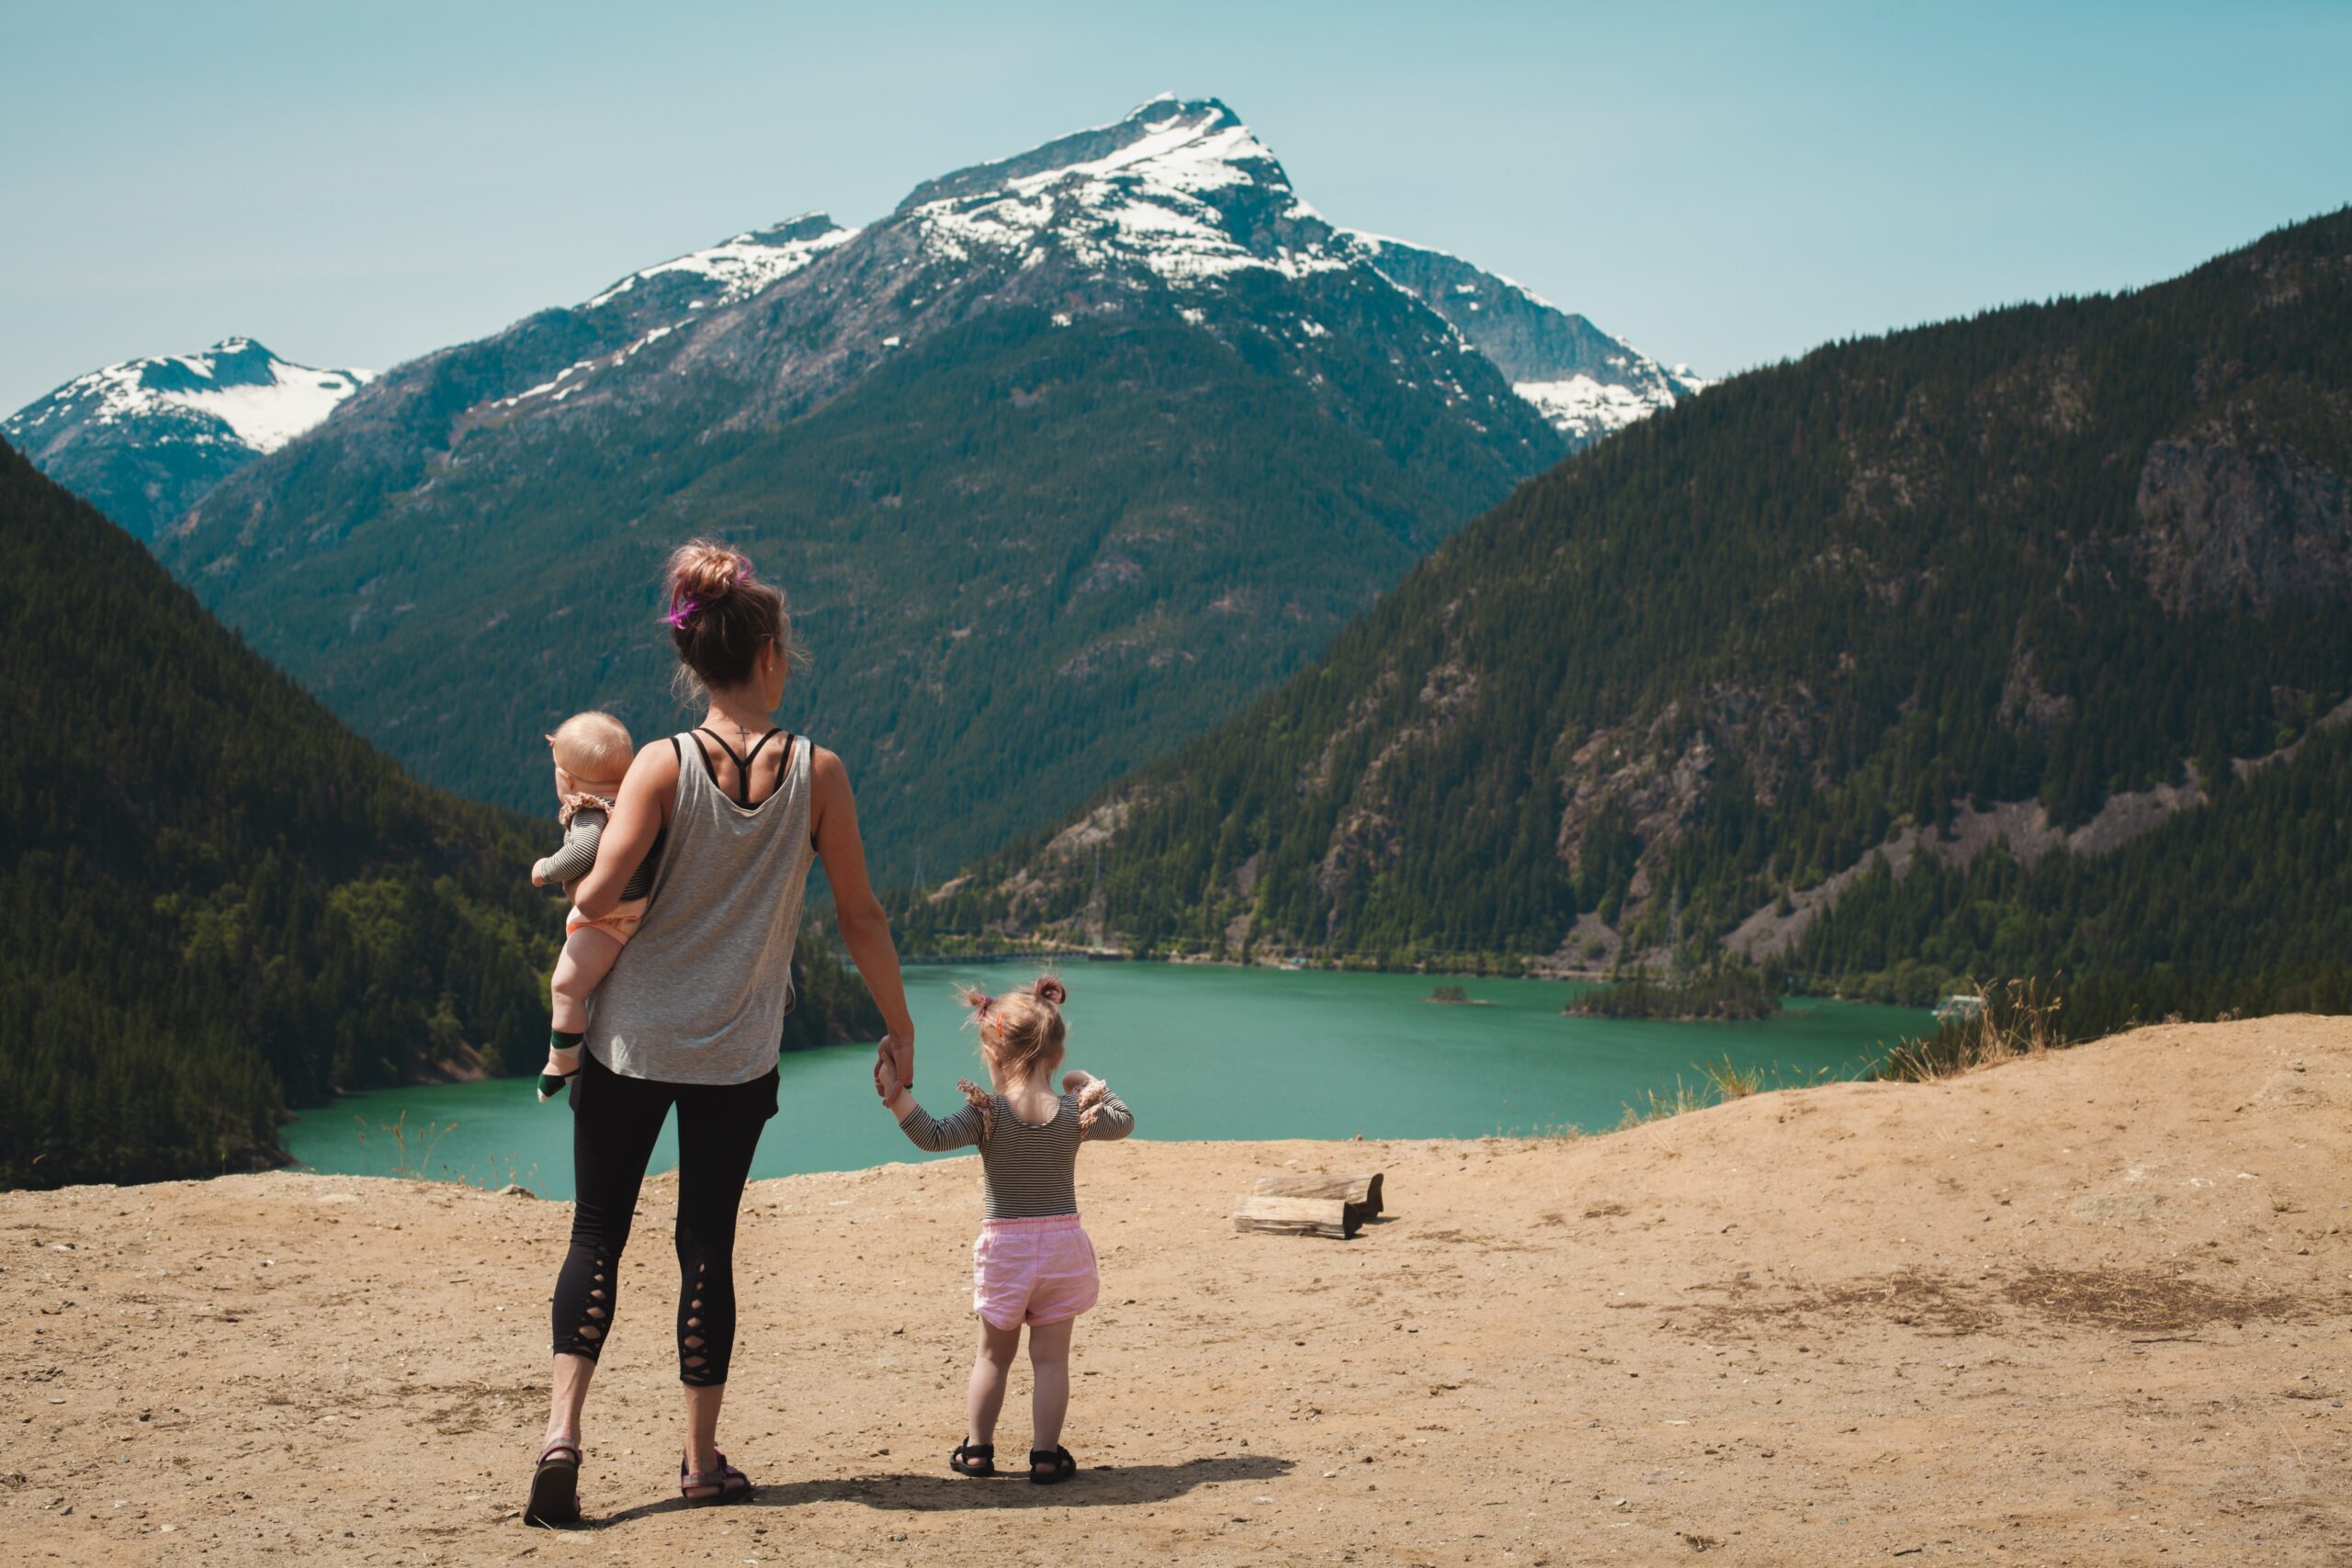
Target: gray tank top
{"x":699,"y":994}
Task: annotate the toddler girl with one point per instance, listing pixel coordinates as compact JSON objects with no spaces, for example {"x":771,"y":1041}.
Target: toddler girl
{"x":592,"y":752}
{"x":1032,"y":1263}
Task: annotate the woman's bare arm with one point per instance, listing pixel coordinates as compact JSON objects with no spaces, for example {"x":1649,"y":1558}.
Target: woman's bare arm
{"x":637,"y":818}
{"x":865,"y":930}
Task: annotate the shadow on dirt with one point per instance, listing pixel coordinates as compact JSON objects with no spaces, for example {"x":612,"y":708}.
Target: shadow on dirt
{"x":1103,"y":1486}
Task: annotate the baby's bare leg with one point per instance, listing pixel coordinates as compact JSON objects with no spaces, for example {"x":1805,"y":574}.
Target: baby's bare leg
{"x":1049,"y":1367}
{"x":588,"y":956}
{"x":990,"y":1367}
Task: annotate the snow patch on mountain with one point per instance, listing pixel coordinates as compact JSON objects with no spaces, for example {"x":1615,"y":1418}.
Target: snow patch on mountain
{"x":240,"y":392}
{"x":742,"y":267}
{"x":143,"y":439}
{"x":1585,"y":407}
{"x":1585,"y":382}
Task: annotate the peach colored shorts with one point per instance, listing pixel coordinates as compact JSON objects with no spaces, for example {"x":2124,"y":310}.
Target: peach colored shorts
{"x":1038,"y":1270}
{"x":620,"y":925}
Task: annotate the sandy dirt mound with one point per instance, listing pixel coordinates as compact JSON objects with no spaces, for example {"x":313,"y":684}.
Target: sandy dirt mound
{"x":2095,"y":1308}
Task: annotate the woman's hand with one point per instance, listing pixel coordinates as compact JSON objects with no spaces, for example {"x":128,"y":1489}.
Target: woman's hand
{"x":897,"y":1054}
{"x":887,"y":1082}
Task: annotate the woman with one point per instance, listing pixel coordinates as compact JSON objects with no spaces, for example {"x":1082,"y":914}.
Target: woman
{"x":692,"y":1013}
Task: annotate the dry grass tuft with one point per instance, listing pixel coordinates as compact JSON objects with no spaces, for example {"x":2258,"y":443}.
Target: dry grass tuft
{"x":1730,"y":1080}
{"x":2018,"y":1018}
{"x":1656,"y":1107}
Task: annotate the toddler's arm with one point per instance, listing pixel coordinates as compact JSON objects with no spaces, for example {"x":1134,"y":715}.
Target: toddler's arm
{"x":573,"y":861}
{"x":961,"y":1131}
{"x":1102,"y":1116}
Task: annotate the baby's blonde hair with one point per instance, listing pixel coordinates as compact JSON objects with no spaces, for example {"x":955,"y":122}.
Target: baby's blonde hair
{"x":1021,"y":1032}
{"x":592,"y":747}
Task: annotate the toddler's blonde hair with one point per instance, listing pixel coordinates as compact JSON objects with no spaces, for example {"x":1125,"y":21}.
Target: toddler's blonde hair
{"x":592,"y":747}
{"x":1023,"y":1029}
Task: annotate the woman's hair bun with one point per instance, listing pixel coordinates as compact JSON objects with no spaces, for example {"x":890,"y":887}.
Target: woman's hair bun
{"x":706,"y":572}
{"x":1049,"y":990}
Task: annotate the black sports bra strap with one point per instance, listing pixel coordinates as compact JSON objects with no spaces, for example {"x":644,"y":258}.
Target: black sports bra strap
{"x":743,"y":761}
{"x":754,"y":752}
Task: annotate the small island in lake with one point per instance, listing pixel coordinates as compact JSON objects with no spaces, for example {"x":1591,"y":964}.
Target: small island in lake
{"x":1453,"y":996}
{"x":1723,"y":995}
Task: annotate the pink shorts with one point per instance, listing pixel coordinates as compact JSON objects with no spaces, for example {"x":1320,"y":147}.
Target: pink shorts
{"x":1037,"y":1270}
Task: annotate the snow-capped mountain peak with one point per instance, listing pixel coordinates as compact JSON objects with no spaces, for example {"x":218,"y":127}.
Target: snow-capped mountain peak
{"x":1180,"y":187}
{"x":740,"y":267}
{"x":1180,"y":191}
{"x":143,"y":439}
{"x":238,"y":391}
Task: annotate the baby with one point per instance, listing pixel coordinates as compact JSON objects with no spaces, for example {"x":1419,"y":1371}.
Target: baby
{"x":592,"y":752}
{"x":1032,"y":1263}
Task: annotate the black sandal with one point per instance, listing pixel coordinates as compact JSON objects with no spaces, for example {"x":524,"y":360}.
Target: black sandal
{"x":1064,"y":1466}
{"x":551,"y":1084}
{"x":973,"y":1458}
{"x":555,"y":1488}
{"x":725,"y":1485}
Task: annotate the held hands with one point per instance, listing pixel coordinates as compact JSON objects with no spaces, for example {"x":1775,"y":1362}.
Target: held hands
{"x":897,"y":1051}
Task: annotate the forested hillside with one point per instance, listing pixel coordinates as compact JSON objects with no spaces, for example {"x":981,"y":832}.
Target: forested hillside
{"x":224,"y":901}
{"x":2243,"y":907}
{"x":2047,"y":575}
{"x":1062,"y":462}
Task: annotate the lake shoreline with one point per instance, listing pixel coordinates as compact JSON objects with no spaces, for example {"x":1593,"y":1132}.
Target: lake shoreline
{"x":1221,"y":1052}
{"x":1541,"y":967}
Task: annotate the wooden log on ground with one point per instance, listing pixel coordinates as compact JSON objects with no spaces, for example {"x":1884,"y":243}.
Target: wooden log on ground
{"x":1359,"y":1191}
{"x":1269,"y":1214}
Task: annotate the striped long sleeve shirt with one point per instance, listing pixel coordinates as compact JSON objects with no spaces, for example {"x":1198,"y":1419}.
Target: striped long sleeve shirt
{"x":569,"y":864}
{"x":1026,"y":1172}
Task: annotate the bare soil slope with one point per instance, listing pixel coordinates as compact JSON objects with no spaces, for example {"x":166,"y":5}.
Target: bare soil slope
{"x":2094,"y":1308}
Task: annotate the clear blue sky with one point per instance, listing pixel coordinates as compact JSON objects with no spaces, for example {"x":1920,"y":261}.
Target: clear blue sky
{"x":357,"y":183}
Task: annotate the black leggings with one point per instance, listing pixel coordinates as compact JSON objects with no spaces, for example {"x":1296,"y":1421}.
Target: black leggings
{"x":615,"y":1121}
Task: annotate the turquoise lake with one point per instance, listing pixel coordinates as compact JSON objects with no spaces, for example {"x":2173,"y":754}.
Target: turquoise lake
{"x":1198,"y":1051}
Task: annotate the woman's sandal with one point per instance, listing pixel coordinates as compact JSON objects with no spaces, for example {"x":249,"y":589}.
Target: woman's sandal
{"x":1064,"y":1466}
{"x":973,"y":1458}
{"x":551,"y":1084}
{"x":555,"y":1487}
{"x":725,"y":1485}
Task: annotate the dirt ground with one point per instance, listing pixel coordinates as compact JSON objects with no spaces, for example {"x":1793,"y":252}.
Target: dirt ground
{"x":2095,"y":1308}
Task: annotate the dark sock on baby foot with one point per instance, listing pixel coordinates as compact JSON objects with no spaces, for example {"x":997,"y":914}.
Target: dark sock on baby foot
{"x":551,"y":1084}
